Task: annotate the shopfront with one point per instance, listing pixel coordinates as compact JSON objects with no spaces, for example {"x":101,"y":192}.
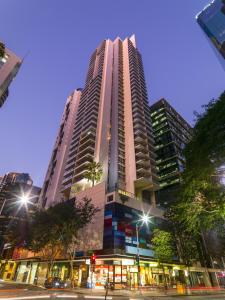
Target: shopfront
{"x":124,"y":274}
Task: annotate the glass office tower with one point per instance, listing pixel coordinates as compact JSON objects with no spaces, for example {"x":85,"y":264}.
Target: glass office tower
{"x":212,"y":21}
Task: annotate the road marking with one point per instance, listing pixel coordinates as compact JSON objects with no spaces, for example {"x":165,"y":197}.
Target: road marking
{"x":97,"y":297}
{"x":27,"y":297}
{"x":66,"y":296}
{"x":11,"y":290}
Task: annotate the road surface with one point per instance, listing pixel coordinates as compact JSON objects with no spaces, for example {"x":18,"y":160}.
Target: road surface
{"x":13,"y":291}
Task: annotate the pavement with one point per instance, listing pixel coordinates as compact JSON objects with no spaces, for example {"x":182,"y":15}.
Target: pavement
{"x":17,"y":291}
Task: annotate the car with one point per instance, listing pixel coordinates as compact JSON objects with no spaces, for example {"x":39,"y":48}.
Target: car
{"x":55,"y":282}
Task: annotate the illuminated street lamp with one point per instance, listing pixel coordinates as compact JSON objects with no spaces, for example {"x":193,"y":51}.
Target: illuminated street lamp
{"x":144,"y":219}
{"x":23,"y":199}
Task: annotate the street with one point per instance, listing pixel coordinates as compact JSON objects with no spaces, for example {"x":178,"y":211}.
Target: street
{"x":16,"y":291}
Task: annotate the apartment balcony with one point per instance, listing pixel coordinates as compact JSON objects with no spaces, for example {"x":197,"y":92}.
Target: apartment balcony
{"x":80,"y":167}
{"x":67,"y":181}
{"x":90,"y":133}
{"x":70,"y":162}
{"x":140,"y":132}
{"x":69,"y":178}
{"x":72,"y":152}
{"x":140,"y":140}
{"x":141,"y":147}
{"x":90,"y":149}
{"x":79,"y":175}
{"x":138,"y":123}
{"x":141,"y":155}
{"x":85,"y":144}
{"x":66,"y":187}
{"x":71,"y":170}
{"x":86,"y":157}
{"x":140,"y":162}
{"x":142,"y":171}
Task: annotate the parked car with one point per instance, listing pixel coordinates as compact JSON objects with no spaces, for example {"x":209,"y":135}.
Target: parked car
{"x":55,"y":282}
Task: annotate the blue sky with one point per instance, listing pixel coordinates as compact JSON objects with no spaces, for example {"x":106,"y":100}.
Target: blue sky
{"x":59,"y":37}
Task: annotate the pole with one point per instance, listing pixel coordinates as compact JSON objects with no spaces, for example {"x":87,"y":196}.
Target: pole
{"x":138,"y":254}
{"x":223,"y":262}
{"x":1,"y":210}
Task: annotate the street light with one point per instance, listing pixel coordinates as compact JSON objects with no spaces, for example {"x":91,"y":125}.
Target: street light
{"x":23,"y":199}
{"x":144,"y":219}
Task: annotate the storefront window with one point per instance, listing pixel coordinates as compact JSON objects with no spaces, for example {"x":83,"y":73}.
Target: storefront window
{"x":101,"y":275}
{"x":118,"y":277}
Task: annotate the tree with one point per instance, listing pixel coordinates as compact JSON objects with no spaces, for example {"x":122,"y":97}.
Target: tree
{"x":201,"y":201}
{"x":94,"y":172}
{"x":163,"y":247}
{"x":2,"y":49}
{"x":73,"y":216}
{"x":55,"y":231}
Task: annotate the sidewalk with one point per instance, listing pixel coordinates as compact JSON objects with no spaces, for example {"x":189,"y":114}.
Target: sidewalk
{"x":144,"y":293}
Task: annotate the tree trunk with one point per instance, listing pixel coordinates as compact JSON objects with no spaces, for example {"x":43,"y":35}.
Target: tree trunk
{"x":71,"y":273}
{"x":93,"y":182}
{"x":164,"y":277}
{"x":50,"y":267}
{"x":71,"y":267}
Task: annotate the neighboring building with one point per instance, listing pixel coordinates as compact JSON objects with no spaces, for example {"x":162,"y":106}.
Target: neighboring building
{"x":171,"y":133}
{"x":12,"y":187}
{"x":9,"y":66}
{"x":212,"y":21}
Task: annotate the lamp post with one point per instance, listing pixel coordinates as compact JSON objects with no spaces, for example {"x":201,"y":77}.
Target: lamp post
{"x":144,"y":219}
{"x":23,"y":199}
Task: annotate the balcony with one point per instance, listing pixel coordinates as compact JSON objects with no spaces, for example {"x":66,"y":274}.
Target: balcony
{"x":90,"y":149}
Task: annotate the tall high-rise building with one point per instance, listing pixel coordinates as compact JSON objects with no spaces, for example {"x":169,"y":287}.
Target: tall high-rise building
{"x":51,"y":191}
{"x":108,"y":121}
{"x":212,"y":21}
{"x":9,"y":66}
{"x":110,"y":125}
{"x":171,"y":133}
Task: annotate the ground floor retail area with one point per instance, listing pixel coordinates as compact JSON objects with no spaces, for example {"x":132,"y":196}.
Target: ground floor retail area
{"x":123,"y":273}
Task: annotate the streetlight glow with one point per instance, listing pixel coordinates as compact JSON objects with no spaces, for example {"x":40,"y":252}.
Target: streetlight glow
{"x":24,"y":199}
{"x":145,"y":219}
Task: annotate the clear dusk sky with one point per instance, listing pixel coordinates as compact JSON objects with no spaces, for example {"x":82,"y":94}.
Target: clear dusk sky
{"x":59,"y":37}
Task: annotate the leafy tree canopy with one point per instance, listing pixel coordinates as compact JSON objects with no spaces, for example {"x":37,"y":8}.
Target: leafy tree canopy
{"x":201,"y":202}
{"x":163,"y":245}
{"x":52,"y":230}
{"x":94,"y":172}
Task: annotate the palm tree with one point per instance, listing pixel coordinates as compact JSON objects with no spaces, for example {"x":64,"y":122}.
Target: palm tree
{"x":94,"y":172}
{"x":2,"y":49}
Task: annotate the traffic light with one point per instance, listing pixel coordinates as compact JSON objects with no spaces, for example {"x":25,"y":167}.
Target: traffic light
{"x":93,"y":259}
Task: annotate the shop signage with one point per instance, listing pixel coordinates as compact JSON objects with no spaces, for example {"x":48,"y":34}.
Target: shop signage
{"x":134,"y":269}
{"x":99,"y":262}
{"x":127,"y":262}
{"x":87,"y":261}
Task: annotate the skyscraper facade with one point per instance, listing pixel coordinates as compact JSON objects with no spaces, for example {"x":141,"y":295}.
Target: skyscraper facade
{"x":108,"y":122}
{"x":171,"y":133}
{"x":51,"y":191}
{"x":9,"y":66}
{"x":212,"y":21}
{"x":111,"y":126}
